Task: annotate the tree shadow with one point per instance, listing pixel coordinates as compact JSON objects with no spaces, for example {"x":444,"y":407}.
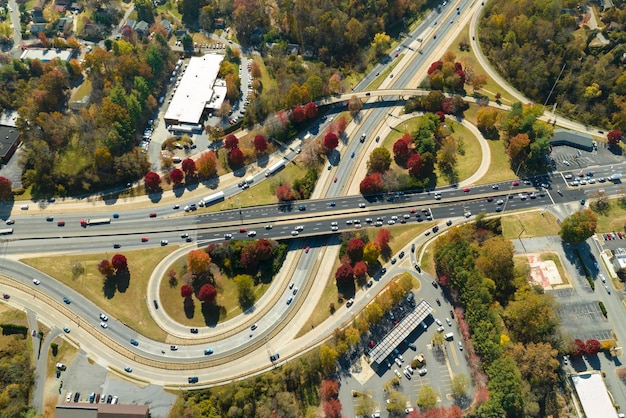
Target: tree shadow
{"x":108,"y":287}
{"x":155,"y":197}
{"x":178,"y":190}
{"x":122,"y":279}
{"x":192,"y":184}
{"x":347,"y":291}
{"x":189,"y":307}
{"x":211,"y":313}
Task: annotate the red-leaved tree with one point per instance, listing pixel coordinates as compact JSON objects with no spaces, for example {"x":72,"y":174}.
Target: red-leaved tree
{"x":189,"y":167}
{"x":186,"y":291}
{"x":119,"y":262}
{"x":329,"y":389}
{"x":372,"y":184}
{"x":614,"y":137}
{"x":354,"y":249}
{"x":260,"y":144}
{"x":578,"y":348}
{"x":297,"y":114}
{"x":331,"y":140}
{"x":310,"y":110}
{"x":592,"y":347}
{"x":6,"y":189}
{"x":207,"y":293}
{"x":414,"y":165}
{"x":231,"y":142}
{"x":382,"y":239}
{"x":264,"y":250}
{"x":344,"y":275}
{"x":360,"y":269}
{"x":106,"y":268}
{"x":152,"y":180}
{"x":236,"y":157}
{"x":177,"y":176}
{"x":401,"y":150}
{"x":284,"y":192}
{"x":332,"y":408}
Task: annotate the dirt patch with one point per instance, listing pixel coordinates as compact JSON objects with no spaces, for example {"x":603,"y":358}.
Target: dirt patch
{"x":544,"y":271}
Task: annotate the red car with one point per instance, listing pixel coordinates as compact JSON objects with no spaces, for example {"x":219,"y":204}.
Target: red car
{"x":144,"y":239}
{"x":335,"y":180}
{"x":516,"y":183}
{"x":306,"y":249}
{"x":466,"y":190}
{"x":61,"y":223}
{"x":242,"y":230}
{"x":153,"y":214}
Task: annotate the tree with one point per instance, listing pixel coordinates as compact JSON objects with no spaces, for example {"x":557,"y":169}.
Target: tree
{"x":371,"y":184}
{"x":577,"y":348}
{"x":152,"y":181}
{"x":486,"y":118}
{"x":479,"y":81}
{"x":328,"y":359}
{"x":284,"y":192}
{"x":531,"y":316}
{"x":579,"y":226}
{"x":382,"y":239}
{"x":119,"y":262}
{"x":260,"y":144}
{"x":355,"y":105}
{"x":621,"y":372}
{"x":592,"y":347}
{"x":460,"y":383}
{"x":614,"y":137}
{"x":354,"y":249}
{"x":332,"y":408}
{"x":329,"y":389}
{"x":198,"y":261}
{"x":189,"y":167}
{"x":236,"y":157}
{"x":106,"y":268}
{"x":231,"y":142}
{"x":186,"y":291}
{"x":331,"y":140}
{"x":360,"y":269}
{"x":537,"y":362}
{"x":415,"y":165}
{"x":245,"y":289}
{"x":381,"y":43}
{"x":517,"y":145}
{"x":297,"y":114}
{"x":401,"y":150}
{"x":310,"y":110}
{"x":505,"y":389}
{"x":379,"y":161}
{"x":6,"y":189}
{"x":371,"y":252}
{"x":263,"y":249}
{"x":207,"y":165}
{"x":344,"y":275}
{"x":207,"y":293}
{"x":426,"y":397}
{"x":177,"y":176}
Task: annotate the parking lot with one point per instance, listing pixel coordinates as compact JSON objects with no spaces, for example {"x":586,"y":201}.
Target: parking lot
{"x":570,"y":158}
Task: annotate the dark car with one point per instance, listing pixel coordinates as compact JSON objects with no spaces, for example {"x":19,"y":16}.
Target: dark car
{"x":109,"y":398}
{"x":156,"y":305}
{"x":434,"y":283}
{"x":192,"y":379}
{"x":452,"y":314}
{"x":67,"y":300}
{"x":117,"y":245}
{"x":134,"y":342}
{"x":419,"y":270}
{"x":383,"y":271}
{"x":302,"y":207}
{"x":76,"y":396}
{"x":274,"y":357}
{"x":194,"y":330}
{"x":61,"y":223}
{"x":50,"y":218}
{"x":401,"y":254}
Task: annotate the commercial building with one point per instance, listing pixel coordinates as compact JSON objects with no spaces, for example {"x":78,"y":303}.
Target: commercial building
{"x":47,"y":54}
{"x":90,"y":410}
{"x":593,"y":395}
{"x":197,"y":90}
{"x":573,"y":139}
{"x":9,"y":140}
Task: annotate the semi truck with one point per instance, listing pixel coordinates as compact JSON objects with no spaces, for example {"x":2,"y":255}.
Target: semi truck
{"x":6,"y":231}
{"x":212,"y":198}
{"x":274,"y":168}
{"x":98,"y":221}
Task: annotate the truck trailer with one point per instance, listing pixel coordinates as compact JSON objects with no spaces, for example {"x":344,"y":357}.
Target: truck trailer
{"x":274,"y":168}
{"x":98,"y":221}
{"x":210,"y":199}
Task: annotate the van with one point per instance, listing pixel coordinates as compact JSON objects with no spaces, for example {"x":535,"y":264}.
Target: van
{"x":114,"y":400}
{"x":449,"y":336}
{"x":249,"y":179}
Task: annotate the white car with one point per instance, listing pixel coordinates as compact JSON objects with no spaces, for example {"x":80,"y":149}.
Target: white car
{"x":37,"y":282}
{"x":251,"y":233}
{"x":103,"y":325}
{"x":438,"y":322}
{"x":104,"y":317}
{"x":294,"y":233}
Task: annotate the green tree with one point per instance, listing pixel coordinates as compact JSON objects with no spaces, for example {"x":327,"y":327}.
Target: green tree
{"x":460,"y":383}
{"x":579,"y":226}
{"x":426,"y":397}
{"x":245,"y":290}
{"x":328,"y":358}
{"x":532,"y":316}
{"x":506,"y":394}
{"x":397,"y":401}
{"x":379,"y":161}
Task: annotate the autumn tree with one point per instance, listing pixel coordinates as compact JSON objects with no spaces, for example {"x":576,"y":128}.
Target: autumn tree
{"x":284,"y":192}
{"x":332,"y":408}
{"x":198,"y":261}
{"x":207,"y":164}
{"x":6,"y":189}
{"x":354,"y":249}
{"x":328,"y":360}
{"x":344,"y":275}
{"x":371,"y":184}
{"x":538,"y":363}
{"x":152,"y":181}
{"x":382,"y":239}
{"x":260,"y":144}
{"x":189,"y":167}
{"x":263,"y":249}
{"x":531,"y":316}
{"x":517,"y":146}
{"x":381,"y":43}
{"x":360,"y":269}
{"x":579,"y":226}
{"x":310,"y":110}
{"x":614,"y":137}
{"x":329,"y":388}
{"x":186,"y":291}
{"x":415,"y":165}
{"x":460,"y":383}
{"x":236,"y":157}
{"x":355,"y":105}
{"x":297,"y":114}
{"x":207,"y":293}
{"x":486,"y":118}
{"x":231,"y":142}
{"x":426,"y":397}
{"x":379,"y":161}
{"x":331,"y":140}
{"x":119,"y":262}
{"x":106,"y":268}
{"x":577,"y":348}
{"x":592,"y":347}
{"x":177,"y":176}
{"x":401,"y":150}
{"x":371,"y":252}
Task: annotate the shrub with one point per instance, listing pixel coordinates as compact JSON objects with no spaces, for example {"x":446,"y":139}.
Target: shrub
{"x":603,"y":309}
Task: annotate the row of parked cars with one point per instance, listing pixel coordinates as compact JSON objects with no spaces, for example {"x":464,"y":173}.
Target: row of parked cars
{"x":93,"y":398}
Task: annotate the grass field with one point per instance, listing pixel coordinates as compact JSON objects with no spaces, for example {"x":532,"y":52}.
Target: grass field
{"x":613,"y":220}
{"x":227,"y":297}
{"x":530,"y":224}
{"x":402,"y":235}
{"x":82,"y":91}
{"x":127,"y":304}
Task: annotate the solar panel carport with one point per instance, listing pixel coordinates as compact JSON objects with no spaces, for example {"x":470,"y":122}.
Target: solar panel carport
{"x":405,"y":327}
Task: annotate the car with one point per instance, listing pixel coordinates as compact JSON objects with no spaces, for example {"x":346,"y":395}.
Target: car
{"x":128,"y":369}
{"x":466,"y":190}
{"x":294,"y":233}
{"x":242,"y":230}
{"x":500,"y":202}
{"x":350,"y":302}
{"x":332,"y":204}
{"x":67,"y":300}
{"x":397,"y":374}
{"x":449,"y":222}
{"x":467,"y":214}
{"x":299,"y":228}
{"x":449,"y":322}
{"x":173,"y":347}
{"x":295,"y":290}
{"x":194,"y":330}
{"x":274,"y":357}
{"x":401,"y":254}
{"x":144,"y":239}
{"x":452,"y":314}
{"x":498,"y":208}
{"x":116,"y":245}
{"x":302,"y":208}
{"x":607,"y":289}
{"x":289,"y":300}
{"x":208,"y":351}
{"x":391,"y":222}
{"x":66,"y":330}
{"x":423,"y":371}
{"x":255,"y":326}
{"x":76,"y":396}
{"x":361,"y":205}
{"x":228,"y":236}
{"x":335,"y":179}
{"x":460,"y":346}
{"x":134,"y":342}
{"x":427,"y":233}
{"x":306,"y":249}
{"x":24,"y":207}
{"x":602,"y":278}
{"x":413,"y":247}
{"x":268,"y":226}
{"x":251,"y":233}
{"x":188,"y":239}
{"x":516,"y":183}
{"x":417,"y":267}
{"x":68,"y":398}
{"x":104,"y":317}
{"x":164,"y":242}
{"x":438,"y":322}
{"x":440,"y":329}
{"x":398,"y":362}
{"x":192,"y":379}
{"x":393,"y":260}
{"x":10,"y":222}
{"x":61,"y":223}
{"x":185,"y":235}
{"x":36,"y":281}
{"x":153,"y":214}
{"x":435,"y":229}
{"x":370,"y":283}
{"x":103,"y":325}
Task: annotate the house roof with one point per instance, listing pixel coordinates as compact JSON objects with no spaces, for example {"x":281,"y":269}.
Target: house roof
{"x":8,"y":136}
{"x":593,"y":395}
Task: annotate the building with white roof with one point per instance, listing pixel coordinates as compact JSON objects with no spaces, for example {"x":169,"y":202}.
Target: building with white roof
{"x":196,"y":91}
{"x":593,"y":395}
{"x":47,"y":55}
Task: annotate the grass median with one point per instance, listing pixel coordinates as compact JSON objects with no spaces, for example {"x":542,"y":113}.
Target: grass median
{"x":128,"y":302}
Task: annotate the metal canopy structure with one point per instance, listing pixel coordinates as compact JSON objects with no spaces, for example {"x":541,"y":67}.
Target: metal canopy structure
{"x":405,"y":327}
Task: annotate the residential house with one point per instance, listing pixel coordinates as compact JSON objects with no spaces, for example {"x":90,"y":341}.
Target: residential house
{"x":36,"y":16}
{"x":65,"y":25}
{"x":61,"y":5}
{"x":76,"y":7}
{"x":167,"y":26}
{"x":179,"y":33}
{"x":36,"y":28}
{"x":142,"y":28}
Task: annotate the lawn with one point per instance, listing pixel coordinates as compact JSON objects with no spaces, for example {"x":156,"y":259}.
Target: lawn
{"x":529,"y":224}
{"x":467,"y":163}
{"x":127,"y":302}
{"x":268,"y":83}
{"x":401,"y":235}
{"x":82,"y":91}
{"x":227,"y":298}
{"x":613,"y":220}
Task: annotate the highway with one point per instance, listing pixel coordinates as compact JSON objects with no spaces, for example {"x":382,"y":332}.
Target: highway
{"x":33,"y":234}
